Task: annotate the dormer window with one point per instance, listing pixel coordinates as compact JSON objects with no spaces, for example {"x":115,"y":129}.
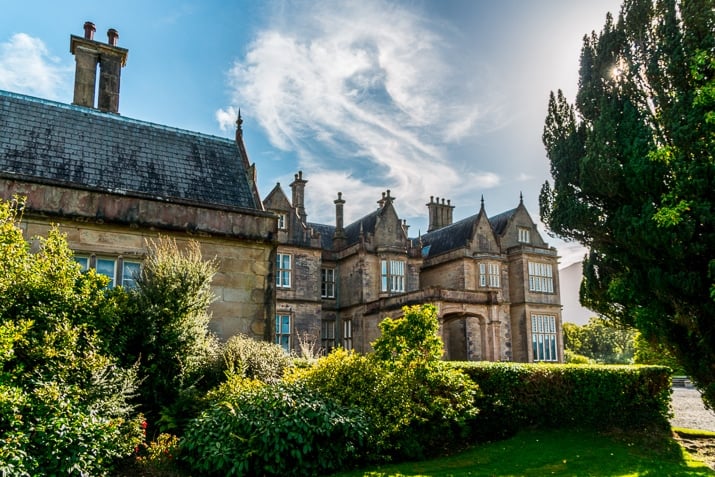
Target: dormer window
{"x":524,"y":235}
{"x":281,"y":221}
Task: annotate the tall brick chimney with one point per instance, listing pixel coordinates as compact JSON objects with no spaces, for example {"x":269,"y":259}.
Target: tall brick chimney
{"x":440,"y":214}
{"x":298,"y":188}
{"x":110,"y":58}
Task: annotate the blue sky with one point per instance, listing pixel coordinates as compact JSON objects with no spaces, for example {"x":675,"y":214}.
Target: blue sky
{"x":426,"y":98}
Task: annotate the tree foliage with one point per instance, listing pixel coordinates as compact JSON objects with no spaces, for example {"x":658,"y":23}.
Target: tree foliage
{"x":63,"y":402}
{"x":163,"y":326}
{"x":601,"y":341}
{"x":633,"y":167}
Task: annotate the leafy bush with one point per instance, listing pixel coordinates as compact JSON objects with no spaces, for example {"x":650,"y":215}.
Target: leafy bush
{"x":278,"y":429}
{"x":566,"y":396}
{"x":63,"y":403}
{"x":163,"y":325}
{"x":416,"y":404}
{"x":254,"y":359}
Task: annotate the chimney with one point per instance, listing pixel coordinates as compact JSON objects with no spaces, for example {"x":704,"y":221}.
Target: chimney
{"x":298,"y":188}
{"x":440,"y":214}
{"x":339,"y":237}
{"x":110,"y":58}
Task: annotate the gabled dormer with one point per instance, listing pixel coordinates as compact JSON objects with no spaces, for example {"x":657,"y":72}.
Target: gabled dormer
{"x":390,"y":232}
{"x":277,"y":202}
{"x":516,"y":227}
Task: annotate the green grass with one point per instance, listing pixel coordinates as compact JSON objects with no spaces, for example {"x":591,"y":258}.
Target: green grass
{"x":557,"y":453}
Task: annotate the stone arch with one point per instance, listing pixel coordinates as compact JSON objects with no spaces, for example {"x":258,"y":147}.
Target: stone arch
{"x":464,"y":336}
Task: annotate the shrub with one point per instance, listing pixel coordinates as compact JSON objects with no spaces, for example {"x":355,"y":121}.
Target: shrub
{"x":63,"y":402}
{"x":254,"y":359}
{"x":163,"y":325}
{"x":566,"y":396}
{"x":278,"y":429}
{"x":416,"y":404}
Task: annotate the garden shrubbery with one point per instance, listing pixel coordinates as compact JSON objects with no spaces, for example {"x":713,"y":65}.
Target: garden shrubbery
{"x":516,"y":396}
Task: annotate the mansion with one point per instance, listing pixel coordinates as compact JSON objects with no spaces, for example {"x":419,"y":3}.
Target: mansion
{"x":112,"y":182}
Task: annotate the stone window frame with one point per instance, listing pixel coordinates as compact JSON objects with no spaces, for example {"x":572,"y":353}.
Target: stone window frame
{"x":284,"y":270}
{"x":284,"y":334}
{"x":120,"y":268}
{"x":327,"y":335}
{"x":392,"y":275}
{"x":541,"y":277}
{"x":327,"y":282}
{"x":544,"y":342}
{"x":282,"y":221}
{"x":523,"y":234}
{"x":348,"y":334}
{"x":489,"y":275}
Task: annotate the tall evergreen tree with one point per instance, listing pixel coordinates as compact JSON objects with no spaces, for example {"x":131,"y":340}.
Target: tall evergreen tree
{"x":633,"y":167}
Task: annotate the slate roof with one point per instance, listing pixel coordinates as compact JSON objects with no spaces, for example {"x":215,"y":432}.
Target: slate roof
{"x":455,"y":236}
{"x":499,"y":222}
{"x":448,"y":238}
{"x":46,"y":141}
{"x":326,"y":234}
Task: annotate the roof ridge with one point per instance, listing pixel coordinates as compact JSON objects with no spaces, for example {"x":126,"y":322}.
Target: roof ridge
{"x":111,"y":116}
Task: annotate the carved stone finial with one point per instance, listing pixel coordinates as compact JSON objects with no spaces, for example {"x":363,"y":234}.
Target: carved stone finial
{"x":239,"y":123}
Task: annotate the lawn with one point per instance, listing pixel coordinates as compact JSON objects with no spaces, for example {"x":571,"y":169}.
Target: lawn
{"x":557,"y":453}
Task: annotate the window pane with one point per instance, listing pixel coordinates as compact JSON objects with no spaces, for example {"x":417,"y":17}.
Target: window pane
{"x":83,"y":262}
{"x":106,"y":266}
{"x":130,"y":272}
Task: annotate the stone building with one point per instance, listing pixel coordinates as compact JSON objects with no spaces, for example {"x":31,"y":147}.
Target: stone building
{"x":112,"y":182}
{"x":494,"y":280}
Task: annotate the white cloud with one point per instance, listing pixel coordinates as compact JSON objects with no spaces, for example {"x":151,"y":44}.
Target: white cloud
{"x":26,"y":66}
{"x":363,"y":93}
{"x":226,"y":118}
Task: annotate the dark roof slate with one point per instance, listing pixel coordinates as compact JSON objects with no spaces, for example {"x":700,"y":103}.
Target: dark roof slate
{"x":46,"y":141}
{"x":326,"y":234}
{"x":450,"y":237}
{"x":499,"y":222}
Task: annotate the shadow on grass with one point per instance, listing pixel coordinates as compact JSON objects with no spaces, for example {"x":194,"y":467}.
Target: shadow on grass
{"x":558,"y":453}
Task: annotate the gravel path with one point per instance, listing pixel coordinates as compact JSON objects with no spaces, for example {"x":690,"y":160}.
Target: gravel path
{"x":689,"y":410}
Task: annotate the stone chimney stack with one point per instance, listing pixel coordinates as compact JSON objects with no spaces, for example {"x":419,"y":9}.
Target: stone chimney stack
{"x":110,"y":58}
{"x":339,"y":237}
{"x":298,"y":188}
{"x":440,"y":214}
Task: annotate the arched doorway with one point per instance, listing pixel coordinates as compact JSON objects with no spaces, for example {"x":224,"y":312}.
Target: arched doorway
{"x":464,"y":337}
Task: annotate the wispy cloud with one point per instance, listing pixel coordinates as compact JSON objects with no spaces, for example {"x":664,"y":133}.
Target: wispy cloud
{"x":364,"y":94}
{"x":26,"y":66}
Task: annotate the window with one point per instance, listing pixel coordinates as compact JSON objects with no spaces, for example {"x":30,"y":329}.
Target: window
{"x":327,"y":283}
{"x":392,"y":276}
{"x":283,"y":332}
{"x":118,"y":270}
{"x":281,"y":221}
{"x":348,"y":334}
{"x":489,"y":275}
{"x":130,"y":273}
{"x":283,"y":270}
{"x":541,"y":277}
{"x":543,"y":337}
{"x":524,"y":235}
{"x":83,"y":262}
{"x":107,"y":267}
{"x":327,"y":333}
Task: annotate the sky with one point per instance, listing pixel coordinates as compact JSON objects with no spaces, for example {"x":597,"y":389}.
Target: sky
{"x":439,"y":98}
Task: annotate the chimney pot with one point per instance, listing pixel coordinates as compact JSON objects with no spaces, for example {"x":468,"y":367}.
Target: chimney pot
{"x":112,"y":36}
{"x":89,"y":30}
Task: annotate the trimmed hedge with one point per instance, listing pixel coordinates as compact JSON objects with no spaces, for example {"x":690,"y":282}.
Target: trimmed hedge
{"x":516,"y":396}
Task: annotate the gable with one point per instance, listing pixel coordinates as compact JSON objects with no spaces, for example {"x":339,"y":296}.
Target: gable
{"x":277,"y":200}
{"x":520,"y":219}
{"x":72,"y":146}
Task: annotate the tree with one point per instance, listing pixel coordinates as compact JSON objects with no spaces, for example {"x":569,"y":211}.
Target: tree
{"x":163,"y":326}
{"x":601,"y":341}
{"x":633,"y":167}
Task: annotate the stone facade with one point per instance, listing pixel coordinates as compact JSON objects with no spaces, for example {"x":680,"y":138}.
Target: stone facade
{"x":493,"y":280}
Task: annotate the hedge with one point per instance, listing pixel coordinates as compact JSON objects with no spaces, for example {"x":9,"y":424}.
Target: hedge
{"x":517,"y":396}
